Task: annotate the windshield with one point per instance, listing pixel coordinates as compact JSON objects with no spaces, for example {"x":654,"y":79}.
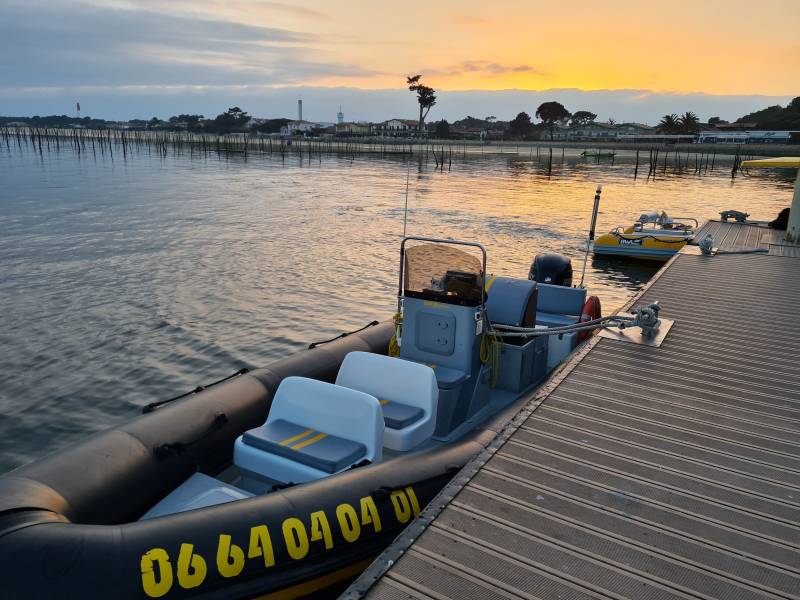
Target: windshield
{"x":442,"y":272}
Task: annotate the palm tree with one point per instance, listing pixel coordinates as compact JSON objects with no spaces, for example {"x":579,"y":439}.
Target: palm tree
{"x":669,"y":124}
{"x":689,"y":122}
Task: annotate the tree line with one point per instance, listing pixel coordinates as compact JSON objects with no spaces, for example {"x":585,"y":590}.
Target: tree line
{"x":550,"y":114}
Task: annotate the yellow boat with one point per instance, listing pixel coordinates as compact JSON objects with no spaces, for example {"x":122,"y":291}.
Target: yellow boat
{"x":654,"y":236}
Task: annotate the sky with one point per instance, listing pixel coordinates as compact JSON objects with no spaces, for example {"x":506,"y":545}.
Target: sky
{"x":622,"y":59}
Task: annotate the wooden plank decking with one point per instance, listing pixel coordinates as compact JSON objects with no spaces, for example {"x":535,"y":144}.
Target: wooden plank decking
{"x":669,"y":472}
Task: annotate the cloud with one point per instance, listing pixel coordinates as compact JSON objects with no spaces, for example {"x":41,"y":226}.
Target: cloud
{"x":114,"y":46}
{"x":291,"y":9}
{"x":479,"y":66}
{"x":212,"y":7}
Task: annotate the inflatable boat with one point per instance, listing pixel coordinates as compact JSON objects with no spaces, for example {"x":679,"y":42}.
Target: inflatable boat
{"x":287,"y":480}
{"x":655,"y":236}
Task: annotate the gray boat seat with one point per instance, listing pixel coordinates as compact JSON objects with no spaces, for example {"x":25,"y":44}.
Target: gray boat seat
{"x":559,"y":305}
{"x":400,"y":416}
{"x":407,"y":391}
{"x":447,"y":378}
{"x":554,"y":320}
{"x":198,"y":491}
{"x":308,"y":446}
{"x":313,"y":429}
{"x":560,"y":300}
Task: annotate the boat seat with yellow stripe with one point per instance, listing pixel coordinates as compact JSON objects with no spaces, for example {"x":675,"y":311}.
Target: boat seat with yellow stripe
{"x":314,"y":429}
{"x":314,"y":448}
{"x":407,"y":390}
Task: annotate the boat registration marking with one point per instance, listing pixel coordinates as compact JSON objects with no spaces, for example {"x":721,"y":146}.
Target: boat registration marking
{"x":294,"y":538}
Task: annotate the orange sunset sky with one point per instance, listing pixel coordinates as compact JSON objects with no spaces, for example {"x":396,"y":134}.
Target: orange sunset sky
{"x":119,"y":56}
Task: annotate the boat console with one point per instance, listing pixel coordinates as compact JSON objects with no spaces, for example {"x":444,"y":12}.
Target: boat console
{"x":442,"y":303}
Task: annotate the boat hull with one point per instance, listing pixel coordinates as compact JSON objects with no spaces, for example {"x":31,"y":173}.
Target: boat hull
{"x":643,"y":248}
{"x":68,"y":522}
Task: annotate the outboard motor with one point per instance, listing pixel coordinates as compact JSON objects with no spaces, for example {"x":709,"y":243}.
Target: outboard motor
{"x":554,"y":269}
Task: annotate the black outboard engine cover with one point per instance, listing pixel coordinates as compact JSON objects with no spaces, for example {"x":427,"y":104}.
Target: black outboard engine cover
{"x":551,"y":268}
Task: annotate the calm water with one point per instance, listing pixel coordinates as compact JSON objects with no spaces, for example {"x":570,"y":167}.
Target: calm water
{"x":123,"y":282}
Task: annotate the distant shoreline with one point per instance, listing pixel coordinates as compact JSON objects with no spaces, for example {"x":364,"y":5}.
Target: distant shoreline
{"x":382,"y":145}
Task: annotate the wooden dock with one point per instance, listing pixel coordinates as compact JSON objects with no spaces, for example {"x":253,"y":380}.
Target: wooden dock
{"x":731,"y":236}
{"x":639,"y":472}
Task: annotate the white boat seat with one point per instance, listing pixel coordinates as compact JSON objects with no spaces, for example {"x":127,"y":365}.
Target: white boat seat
{"x":317,"y":449}
{"x":313,"y":429}
{"x":198,"y":491}
{"x":408,"y":392}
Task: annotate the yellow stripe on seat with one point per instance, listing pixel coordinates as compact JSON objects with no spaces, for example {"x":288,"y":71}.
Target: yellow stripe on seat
{"x":383,"y":402}
{"x":294,"y":438}
{"x":310,"y":441}
{"x":489,"y":284}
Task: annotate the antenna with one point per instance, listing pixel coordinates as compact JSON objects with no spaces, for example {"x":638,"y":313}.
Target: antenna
{"x":405,"y":211}
{"x":591,"y":230}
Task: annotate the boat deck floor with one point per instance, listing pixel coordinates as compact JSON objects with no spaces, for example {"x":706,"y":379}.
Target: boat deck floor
{"x":638,"y":472}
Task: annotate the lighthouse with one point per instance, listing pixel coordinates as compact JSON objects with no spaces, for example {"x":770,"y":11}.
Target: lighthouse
{"x":340,"y":116}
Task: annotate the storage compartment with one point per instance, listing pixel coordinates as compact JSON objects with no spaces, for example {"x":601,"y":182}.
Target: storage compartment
{"x":541,"y":353}
{"x":449,"y":412}
{"x":522,"y":365}
{"x":559,"y":349}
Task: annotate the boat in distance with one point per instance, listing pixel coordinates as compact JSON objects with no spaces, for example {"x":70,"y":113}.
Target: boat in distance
{"x":654,"y":236}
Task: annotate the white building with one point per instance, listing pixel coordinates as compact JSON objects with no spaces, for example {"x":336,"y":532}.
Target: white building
{"x":298,"y":127}
{"x":397,"y":127}
{"x":747,"y":137}
{"x":353,"y":129}
{"x":597,"y":132}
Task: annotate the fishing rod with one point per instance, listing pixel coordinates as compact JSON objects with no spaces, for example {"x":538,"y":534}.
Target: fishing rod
{"x":405,"y":211}
{"x":591,"y":230}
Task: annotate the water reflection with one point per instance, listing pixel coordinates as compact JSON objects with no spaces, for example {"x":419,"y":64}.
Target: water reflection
{"x":624,"y":274}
